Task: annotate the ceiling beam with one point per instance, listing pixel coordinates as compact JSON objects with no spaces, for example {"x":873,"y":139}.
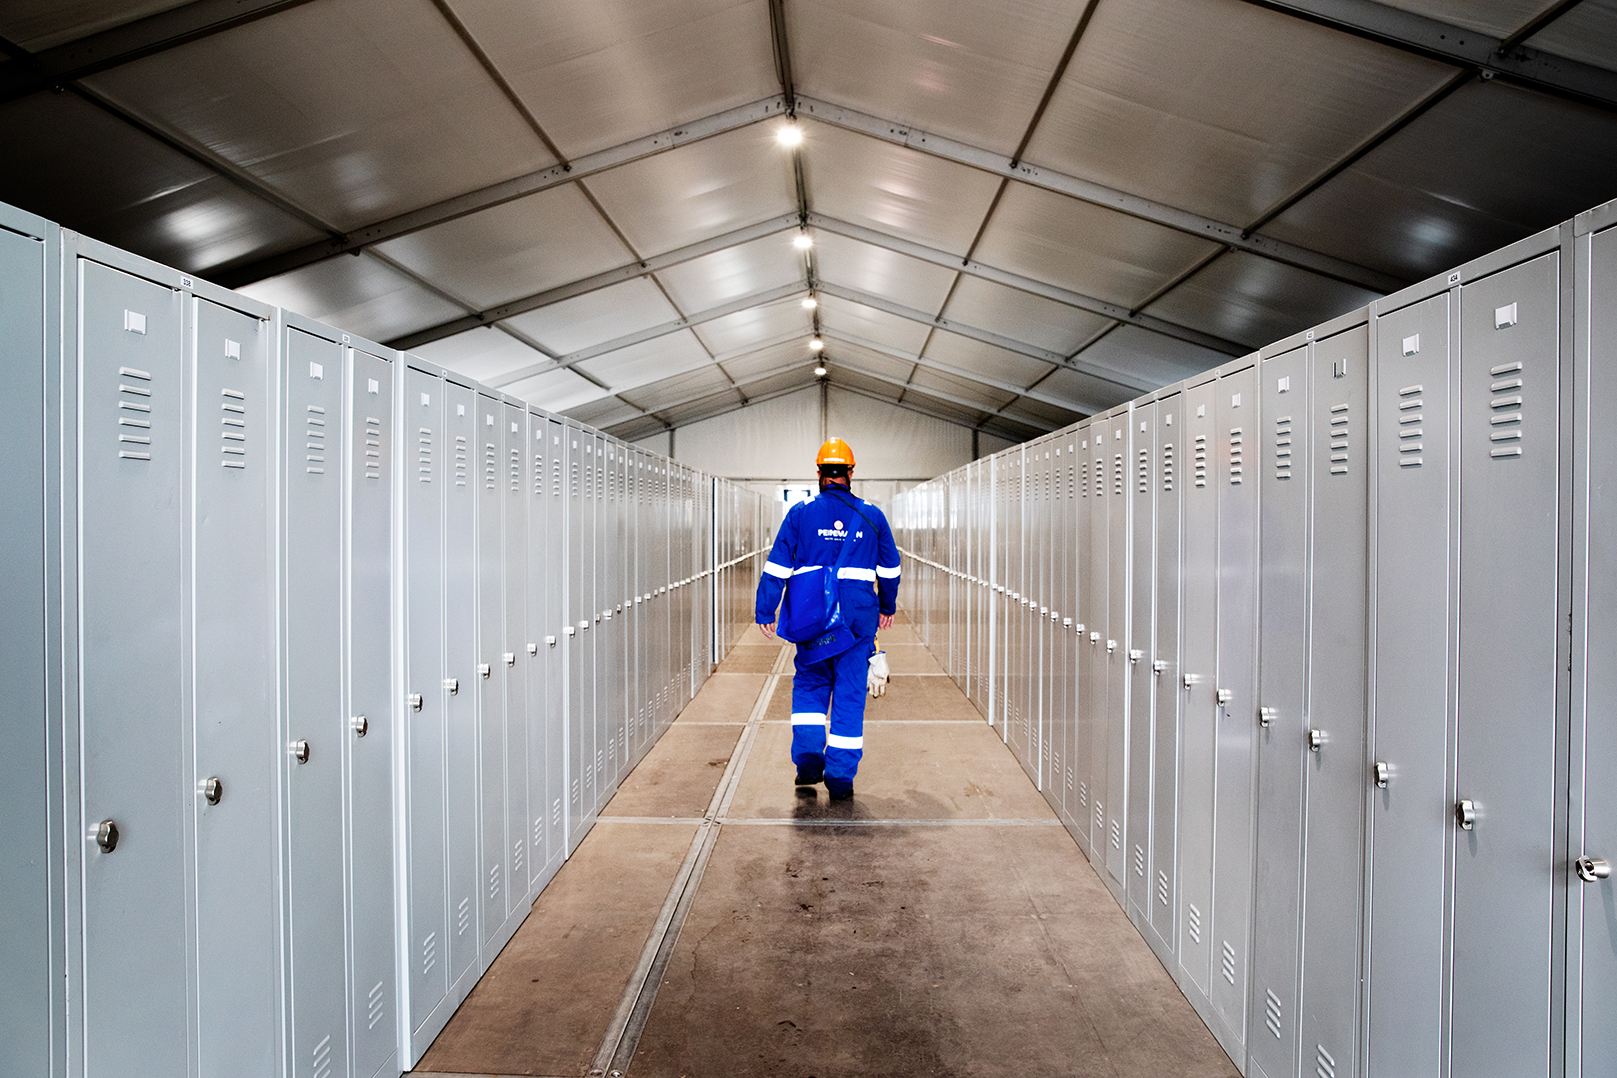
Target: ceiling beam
{"x":605,"y":279}
{"x":718,"y":361}
{"x":1145,"y":209}
{"x":1081,"y":407}
{"x":938,"y":394}
{"x":1468,"y":49}
{"x":107,"y":49}
{"x":1066,"y":297}
{"x":741,"y":303}
{"x":921,"y":410}
{"x":853,"y":295}
{"x":497,"y":194}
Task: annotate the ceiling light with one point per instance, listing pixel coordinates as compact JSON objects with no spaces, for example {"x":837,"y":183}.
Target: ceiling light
{"x":789,"y":135}
{"x":802,"y":241}
{"x":816,"y":344}
{"x":809,"y":303}
{"x":819,"y":372}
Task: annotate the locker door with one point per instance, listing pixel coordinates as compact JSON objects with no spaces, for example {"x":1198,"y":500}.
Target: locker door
{"x":1283,"y":721}
{"x":1141,"y":496}
{"x":1168,"y":483}
{"x":536,"y":653}
{"x":1507,"y":871}
{"x":1061,"y":626}
{"x":1197,"y":689}
{"x":1238,"y":417}
{"x":1594,"y":818}
{"x":1098,"y":609}
{"x":1083,"y":652}
{"x":1409,"y":815}
{"x":1117,"y":636}
{"x":457,"y":691}
{"x":558,"y":717}
{"x":422,"y":463}
{"x":1328,"y":1012}
{"x":514,"y":658}
{"x":369,"y":743}
{"x":131,"y":622}
{"x":491,"y":749}
{"x":599,"y":634}
{"x":316,"y":726}
{"x":234,"y":655}
{"x":580,"y":733}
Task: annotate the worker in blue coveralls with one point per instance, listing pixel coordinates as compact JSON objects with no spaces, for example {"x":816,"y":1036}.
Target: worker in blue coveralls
{"x":836,"y":565}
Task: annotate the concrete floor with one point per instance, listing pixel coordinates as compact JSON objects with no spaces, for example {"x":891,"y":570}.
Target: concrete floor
{"x":940,"y":923}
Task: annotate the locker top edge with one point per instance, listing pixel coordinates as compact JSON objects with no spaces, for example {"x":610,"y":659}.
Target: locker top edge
{"x":1325,"y":329}
{"x":425,"y":366}
{"x":1169,"y":390}
{"x":76,"y":244}
{"x":1234,"y":366}
{"x":293,"y":320}
{"x":1595,"y":219}
{"x":1492,"y":262}
{"x":22,"y":221}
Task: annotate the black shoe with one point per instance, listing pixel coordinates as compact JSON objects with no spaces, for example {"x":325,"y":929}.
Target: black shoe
{"x":841,"y":793}
{"x":810,"y":778}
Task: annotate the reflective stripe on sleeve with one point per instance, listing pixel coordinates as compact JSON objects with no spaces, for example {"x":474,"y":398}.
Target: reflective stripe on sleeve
{"x":837,"y":741}
{"x":857,"y":574}
{"x":776,"y":570}
{"x":886,"y":573}
{"x":808,"y":718}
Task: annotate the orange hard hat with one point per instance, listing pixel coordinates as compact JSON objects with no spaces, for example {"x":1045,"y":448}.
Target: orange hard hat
{"x":835,"y":451}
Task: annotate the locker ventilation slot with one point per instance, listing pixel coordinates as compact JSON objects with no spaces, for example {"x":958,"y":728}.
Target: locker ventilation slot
{"x":493,"y":881}
{"x":516,"y":857}
{"x":375,"y":1005}
{"x":1117,"y":473}
{"x":1200,"y":455}
{"x":1100,"y":817}
{"x":1324,"y":1062}
{"x":233,"y":436}
{"x":1083,"y":794}
{"x":320,"y":1060}
{"x":1117,"y":835}
{"x":1139,"y":860}
{"x":1167,"y":466}
{"x":1271,"y":1012}
{"x":135,"y":432}
{"x":1339,"y":439}
{"x":491,"y":465}
{"x":555,"y":813}
{"x":373,"y":448}
{"x":1283,"y":447}
{"x":1162,"y":887}
{"x":538,"y":474}
{"x":1229,"y":962}
{"x":1411,"y":409}
{"x":1100,"y":476}
{"x":424,"y":454}
{"x":1145,"y":471}
{"x":463,"y":916}
{"x":1193,"y":922}
{"x":1505,"y":441}
{"x":516,"y":469}
{"x":1235,"y":456}
{"x":429,"y":952}
{"x":314,"y":429}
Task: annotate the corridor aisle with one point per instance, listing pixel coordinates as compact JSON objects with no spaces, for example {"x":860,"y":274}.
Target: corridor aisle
{"x":940,"y":923}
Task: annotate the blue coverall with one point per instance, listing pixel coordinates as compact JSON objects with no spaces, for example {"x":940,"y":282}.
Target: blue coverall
{"x":833,"y":685}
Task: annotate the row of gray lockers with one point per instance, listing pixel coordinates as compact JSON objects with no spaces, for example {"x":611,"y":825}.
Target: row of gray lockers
{"x":1339,"y":729}
{"x":319,"y":660}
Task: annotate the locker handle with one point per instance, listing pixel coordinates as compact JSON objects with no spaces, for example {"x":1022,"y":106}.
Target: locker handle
{"x":550,"y":641}
{"x":1226,"y":695}
{"x":361,"y":725}
{"x":212,"y":789}
{"x":1135,"y":655}
{"x":1066,"y":622}
{"x":1382,"y":774}
{"x":533,"y":649}
{"x":1465,"y":813}
{"x":510,"y":658}
{"x":484,"y":669}
{"x":1593,"y":869}
{"x":452,"y":684}
{"x":1094,"y":638}
{"x":106,"y":836}
{"x":1079,"y":628}
{"x":300,"y":751}
{"x":1316,"y":740}
{"x":571,"y":630}
{"x":1159,"y":665}
{"x":415,"y":701}
{"x":1266,"y":715}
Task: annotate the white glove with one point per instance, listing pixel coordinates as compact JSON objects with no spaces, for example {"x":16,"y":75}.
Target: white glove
{"x":877,"y":682}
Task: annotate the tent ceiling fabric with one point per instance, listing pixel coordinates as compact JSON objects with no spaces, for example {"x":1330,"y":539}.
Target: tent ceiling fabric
{"x":1015,"y":220}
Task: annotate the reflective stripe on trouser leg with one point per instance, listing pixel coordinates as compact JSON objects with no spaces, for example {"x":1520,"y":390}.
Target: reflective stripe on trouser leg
{"x":811,"y":697}
{"x":845,"y":744}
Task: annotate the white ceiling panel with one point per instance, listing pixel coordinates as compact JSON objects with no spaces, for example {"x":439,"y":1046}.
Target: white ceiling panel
{"x":985,"y":359}
{"x":1151,"y":356}
{"x":853,"y":377}
{"x":742,"y":270}
{"x":1022,"y":316}
{"x":1588,"y":33}
{"x":1083,"y":247}
{"x":1039,"y":413}
{"x":895,"y":189}
{"x":355,"y":109}
{"x":757,"y":325}
{"x":602,"y":315}
{"x":481,"y":353}
{"x":648,"y":361}
{"x":555,"y":390}
{"x":987,"y":397}
{"x":71,"y":162}
{"x":699,"y":190}
{"x":937,"y":64}
{"x":1219,"y":106}
{"x":793,"y":354}
{"x":900,"y":278}
{"x":700,"y":382}
{"x":844,"y":353}
{"x":514,"y":249}
{"x":878,"y":326}
{"x":604,"y":412}
{"x":361,"y":295}
{"x":1084,"y":392}
{"x":1242,"y":297}
{"x":600,"y":72}
{"x":42,"y":24}
{"x":1501,"y":18}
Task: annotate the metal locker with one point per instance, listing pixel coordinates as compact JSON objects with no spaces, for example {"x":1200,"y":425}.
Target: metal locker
{"x":1281,"y":710}
{"x":236,"y":777}
{"x":1119,"y":443}
{"x":1141,"y":495}
{"x":1508,"y":884}
{"x":1016,"y":712}
{"x":514,"y":658}
{"x":494,"y":869}
{"x":558,"y":717}
{"x":1096,"y":612}
{"x":1328,"y":1014}
{"x":32,"y":941}
{"x":581,"y":730}
{"x":133,"y":828}
{"x":1080,"y":749}
{"x":1061,"y":622}
{"x":372,"y":984}
{"x":536,"y":649}
{"x":1199,"y":707}
{"x":1410,"y":807}
{"x":1044,"y":688}
{"x":314,"y":725}
{"x":599,"y":634}
{"x":1168,"y":483}
{"x":459,"y":942}
{"x":1592,"y":956}
{"x":1239,"y":413}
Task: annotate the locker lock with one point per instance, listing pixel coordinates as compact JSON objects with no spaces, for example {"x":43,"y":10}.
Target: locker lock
{"x":212,"y":789}
{"x":1135,"y":655}
{"x":1226,"y":695}
{"x":300,"y":751}
{"x":1094,"y":638}
{"x":639,"y":599}
{"x":1066,"y":622}
{"x":1111,"y":646}
{"x":415,"y":701}
{"x":510,"y":658}
{"x":550,"y":641}
{"x":1043,"y":610}
{"x":1159,"y":665}
{"x":571,"y":630}
{"x":484,"y":669}
{"x":361,"y":725}
{"x":1079,"y":628}
{"x":533,"y":649}
{"x":1316,"y":739}
{"x":1593,"y":869}
{"x":585,"y":625}
{"x":1382,"y":774}
{"x":1055,"y":615}
{"x":1266,"y":715}
{"x":453,"y":685}
{"x":106,"y":836}
{"x":1465,"y":813}
{"x":607,"y":614}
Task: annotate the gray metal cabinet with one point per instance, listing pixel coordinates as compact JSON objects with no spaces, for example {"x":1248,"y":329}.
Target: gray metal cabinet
{"x":1280,"y":711}
{"x":1115,"y":717}
{"x":494,"y":881}
{"x":580,"y":730}
{"x":539,"y":644}
{"x":514,"y":657}
{"x":136,"y":907}
{"x":314,"y":723}
{"x":459,"y":942}
{"x":1168,"y":483}
{"x":1081,"y":751}
{"x":233,"y":692}
{"x":1096,"y":611}
{"x":372,"y":984}
{"x":1141,"y":647}
{"x":558,"y":719}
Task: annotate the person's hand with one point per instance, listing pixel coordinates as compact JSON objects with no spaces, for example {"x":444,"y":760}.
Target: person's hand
{"x":885,"y":621}
{"x":769,"y":630}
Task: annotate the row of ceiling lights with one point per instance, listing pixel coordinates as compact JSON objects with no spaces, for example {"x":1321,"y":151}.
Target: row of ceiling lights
{"x":790,"y":135}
